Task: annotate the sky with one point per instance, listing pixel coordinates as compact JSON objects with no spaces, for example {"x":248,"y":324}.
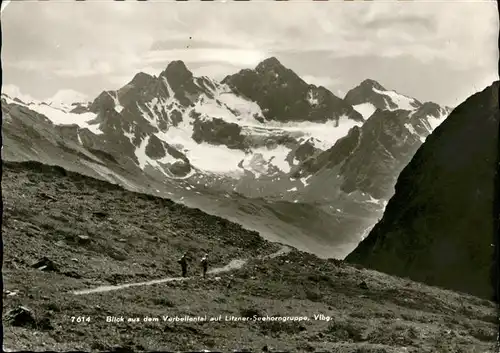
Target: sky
{"x":440,"y":51}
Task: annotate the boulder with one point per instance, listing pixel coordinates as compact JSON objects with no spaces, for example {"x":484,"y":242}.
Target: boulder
{"x":20,"y":316}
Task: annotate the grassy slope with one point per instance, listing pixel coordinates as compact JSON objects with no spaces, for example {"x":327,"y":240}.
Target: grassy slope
{"x":138,"y":237}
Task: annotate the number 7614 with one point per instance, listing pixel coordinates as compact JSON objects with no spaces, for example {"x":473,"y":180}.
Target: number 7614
{"x":80,"y":319}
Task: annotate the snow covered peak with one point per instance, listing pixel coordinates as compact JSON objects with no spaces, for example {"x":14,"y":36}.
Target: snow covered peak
{"x":59,"y":116}
{"x":65,"y":98}
{"x":13,"y":92}
{"x":62,"y":100}
{"x":370,"y":95}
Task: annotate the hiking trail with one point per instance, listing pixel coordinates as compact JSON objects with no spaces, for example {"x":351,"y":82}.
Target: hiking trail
{"x":233,"y":265}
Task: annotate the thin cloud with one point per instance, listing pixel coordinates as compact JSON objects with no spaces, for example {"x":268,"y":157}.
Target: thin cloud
{"x":324,"y":81}
{"x":236,"y":57}
{"x":188,"y":42}
{"x":217,"y":71}
{"x":406,"y":20}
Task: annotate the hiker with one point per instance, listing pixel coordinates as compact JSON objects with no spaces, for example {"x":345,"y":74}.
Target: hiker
{"x":183,"y":261}
{"x":204,"y":264}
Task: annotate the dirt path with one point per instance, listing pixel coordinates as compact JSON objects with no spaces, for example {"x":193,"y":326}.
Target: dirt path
{"x":233,"y":265}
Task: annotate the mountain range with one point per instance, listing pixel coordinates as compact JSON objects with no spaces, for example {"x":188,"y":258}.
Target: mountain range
{"x":262,"y":147}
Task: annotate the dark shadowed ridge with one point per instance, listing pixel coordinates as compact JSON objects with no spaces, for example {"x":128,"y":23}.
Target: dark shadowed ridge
{"x":437,"y":228}
{"x":141,"y":79}
{"x":284,"y":96}
{"x":177,"y":71}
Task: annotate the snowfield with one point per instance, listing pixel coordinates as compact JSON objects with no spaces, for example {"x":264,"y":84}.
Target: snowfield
{"x":142,"y":157}
{"x":365,"y":109}
{"x":231,"y":108}
{"x":326,"y":133}
{"x":434,"y":121}
{"x":61,"y":117}
{"x":403,"y":102}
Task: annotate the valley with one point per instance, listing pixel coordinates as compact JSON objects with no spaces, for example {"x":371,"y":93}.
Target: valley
{"x":219,"y":147}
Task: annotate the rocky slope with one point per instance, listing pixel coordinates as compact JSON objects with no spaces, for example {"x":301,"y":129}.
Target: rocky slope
{"x":439,"y":226}
{"x":64,"y":232}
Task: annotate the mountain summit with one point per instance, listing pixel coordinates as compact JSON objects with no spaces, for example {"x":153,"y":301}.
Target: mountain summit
{"x":177,"y":73}
{"x":269,"y":64}
{"x":284,"y":96}
{"x":370,"y":95}
{"x":438,"y":228}
{"x":371,"y":84}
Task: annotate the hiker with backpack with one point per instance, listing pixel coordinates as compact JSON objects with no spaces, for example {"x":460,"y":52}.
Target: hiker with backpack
{"x":183,"y":261}
{"x":204,"y":265}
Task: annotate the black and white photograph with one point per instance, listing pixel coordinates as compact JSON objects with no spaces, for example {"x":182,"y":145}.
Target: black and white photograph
{"x":250,"y":176}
